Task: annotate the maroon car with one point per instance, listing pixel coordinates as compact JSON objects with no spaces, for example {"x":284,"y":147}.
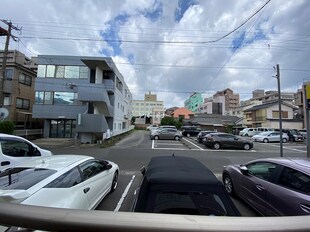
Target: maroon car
{"x":272,"y":186}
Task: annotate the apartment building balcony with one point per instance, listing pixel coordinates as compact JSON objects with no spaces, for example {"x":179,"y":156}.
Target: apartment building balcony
{"x":96,"y":92}
{"x":57,"y":111}
{"x":91,"y":123}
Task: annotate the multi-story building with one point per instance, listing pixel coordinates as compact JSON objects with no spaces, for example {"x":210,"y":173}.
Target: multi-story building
{"x":209,"y":106}
{"x":81,"y":97}
{"x":149,"y":107}
{"x":269,"y":96}
{"x":193,"y":102}
{"x":18,"y":89}
{"x":231,"y":101}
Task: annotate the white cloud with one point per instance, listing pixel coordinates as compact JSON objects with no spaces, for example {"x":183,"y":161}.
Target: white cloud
{"x":279,"y":34}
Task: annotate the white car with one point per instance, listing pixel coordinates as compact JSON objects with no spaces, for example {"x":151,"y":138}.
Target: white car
{"x":151,"y":127}
{"x":62,"y":181}
{"x":270,"y":136}
{"x":15,"y":149}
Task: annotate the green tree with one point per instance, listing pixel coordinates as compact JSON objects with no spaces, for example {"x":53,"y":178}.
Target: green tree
{"x":171,"y":121}
{"x":7,"y":127}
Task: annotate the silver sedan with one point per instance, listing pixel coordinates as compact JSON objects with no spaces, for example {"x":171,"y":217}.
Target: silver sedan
{"x":270,"y":136}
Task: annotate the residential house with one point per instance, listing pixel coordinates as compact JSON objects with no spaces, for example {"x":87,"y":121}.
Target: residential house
{"x":220,"y":123}
{"x":81,"y":97}
{"x":267,"y":115}
{"x":182,"y":113}
{"x":18,"y":90}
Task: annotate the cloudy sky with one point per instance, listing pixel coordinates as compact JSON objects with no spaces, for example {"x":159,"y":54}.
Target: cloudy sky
{"x":174,"y":48}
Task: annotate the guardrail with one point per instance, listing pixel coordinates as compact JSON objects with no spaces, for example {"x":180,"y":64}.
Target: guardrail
{"x":56,"y":219}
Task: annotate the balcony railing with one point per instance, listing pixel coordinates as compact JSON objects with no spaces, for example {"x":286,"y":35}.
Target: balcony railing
{"x":56,"y":219}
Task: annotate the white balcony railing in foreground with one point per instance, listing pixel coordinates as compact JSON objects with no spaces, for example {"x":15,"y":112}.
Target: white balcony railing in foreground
{"x":55,"y":219}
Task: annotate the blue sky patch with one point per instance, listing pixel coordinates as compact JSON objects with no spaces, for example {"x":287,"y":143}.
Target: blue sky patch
{"x":241,"y":40}
{"x":111,"y":35}
{"x":154,"y":13}
{"x":183,"y":5}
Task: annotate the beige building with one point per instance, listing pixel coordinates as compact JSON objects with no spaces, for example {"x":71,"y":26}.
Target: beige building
{"x":149,"y":107}
{"x":231,"y":100}
{"x":18,"y":89}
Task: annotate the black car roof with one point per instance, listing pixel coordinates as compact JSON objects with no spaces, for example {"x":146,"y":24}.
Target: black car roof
{"x":179,"y":170}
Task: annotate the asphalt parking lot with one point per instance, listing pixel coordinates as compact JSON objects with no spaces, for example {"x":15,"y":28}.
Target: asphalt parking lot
{"x":191,"y":143}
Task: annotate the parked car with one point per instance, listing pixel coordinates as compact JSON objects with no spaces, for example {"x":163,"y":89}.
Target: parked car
{"x":181,"y":185}
{"x":166,"y":133}
{"x":248,"y":132}
{"x":190,"y":130}
{"x":151,"y":127}
{"x":63,"y":181}
{"x":264,"y":129}
{"x":293,"y":135}
{"x":15,"y":149}
{"x":202,"y":134}
{"x":270,"y":136}
{"x":272,"y":186}
{"x":224,"y":140}
{"x":167,"y":126}
{"x":303,"y":133}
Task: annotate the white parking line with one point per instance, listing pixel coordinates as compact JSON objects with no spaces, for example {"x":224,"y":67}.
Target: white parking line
{"x":120,"y":202}
{"x":288,"y":148}
{"x":193,"y":144}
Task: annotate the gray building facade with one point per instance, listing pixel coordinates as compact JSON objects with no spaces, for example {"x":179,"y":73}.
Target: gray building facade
{"x":81,"y":97}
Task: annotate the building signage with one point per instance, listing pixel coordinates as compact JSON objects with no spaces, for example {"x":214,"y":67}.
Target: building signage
{"x":308,"y":96}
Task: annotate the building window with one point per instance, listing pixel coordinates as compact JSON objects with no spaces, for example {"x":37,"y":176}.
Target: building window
{"x":64,"y":98}
{"x":22,"y":103}
{"x":41,"y":71}
{"x":60,"y":71}
{"x":24,"y":79}
{"x":72,"y":72}
{"x":8,"y":74}
{"x":84,"y":72}
{"x":50,"y":71}
{"x":48,"y":98}
{"x":275,"y":114}
{"x":7,"y":99}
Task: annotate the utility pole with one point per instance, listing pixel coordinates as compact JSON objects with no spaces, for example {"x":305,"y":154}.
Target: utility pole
{"x":280,"y":110}
{"x":5,"y":53}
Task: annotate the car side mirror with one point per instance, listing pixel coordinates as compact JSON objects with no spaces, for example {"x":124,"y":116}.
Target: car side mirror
{"x":142,"y":170}
{"x":36,"y":152}
{"x":109,"y":166}
{"x":244,"y":170}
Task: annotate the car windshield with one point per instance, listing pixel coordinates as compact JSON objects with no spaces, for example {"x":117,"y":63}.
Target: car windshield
{"x":23,"y":178}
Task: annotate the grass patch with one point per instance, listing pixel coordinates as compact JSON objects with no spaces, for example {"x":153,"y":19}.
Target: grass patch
{"x":113,"y":140}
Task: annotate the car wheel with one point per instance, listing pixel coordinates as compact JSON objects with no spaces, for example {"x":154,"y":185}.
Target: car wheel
{"x":156,"y":137}
{"x":114,"y":182}
{"x":246,"y":135}
{"x":199,"y":140}
{"x":177,"y":138}
{"x":228,"y":184}
{"x":246,"y":146}
{"x":284,"y":140}
{"x":265,"y":140}
{"x":216,"y":146}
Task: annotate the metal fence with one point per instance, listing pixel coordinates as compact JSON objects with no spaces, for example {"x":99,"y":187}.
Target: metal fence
{"x":55,"y":219}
